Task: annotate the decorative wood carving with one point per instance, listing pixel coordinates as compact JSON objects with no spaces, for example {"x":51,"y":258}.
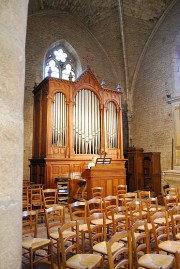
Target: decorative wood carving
{"x":51,"y":161}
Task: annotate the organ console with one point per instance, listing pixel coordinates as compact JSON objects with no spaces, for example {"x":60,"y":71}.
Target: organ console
{"x":73,"y":122}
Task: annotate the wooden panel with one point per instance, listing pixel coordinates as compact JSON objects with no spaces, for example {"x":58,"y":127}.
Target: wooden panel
{"x":51,"y":161}
{"x":144,"y":170}
{"x":107,"y":177}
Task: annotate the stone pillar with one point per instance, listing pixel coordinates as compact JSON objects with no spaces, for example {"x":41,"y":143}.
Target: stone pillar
{"x":13,"y":20}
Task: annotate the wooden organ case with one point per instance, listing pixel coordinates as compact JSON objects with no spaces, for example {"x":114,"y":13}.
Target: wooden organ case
{"x":73,"y":122}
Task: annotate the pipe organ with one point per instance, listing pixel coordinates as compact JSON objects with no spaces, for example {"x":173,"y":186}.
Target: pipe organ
{"x":87,"y":131}
{"x":74,"y":121}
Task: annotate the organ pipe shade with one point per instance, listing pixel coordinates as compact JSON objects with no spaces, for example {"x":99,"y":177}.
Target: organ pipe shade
{"x":59,"y":120}
{"x":87,"y":118}
{"x":111,"y":125}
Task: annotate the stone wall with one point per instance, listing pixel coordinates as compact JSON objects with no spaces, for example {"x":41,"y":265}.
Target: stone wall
{"x":152,"y":118}
{"x":12,"y":69}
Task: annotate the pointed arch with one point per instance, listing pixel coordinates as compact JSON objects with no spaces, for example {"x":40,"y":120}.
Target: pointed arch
{"x":61,"y":60}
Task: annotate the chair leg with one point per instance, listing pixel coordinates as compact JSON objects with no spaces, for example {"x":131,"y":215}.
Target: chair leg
{"x":31,"y":254}
{"x":82,"y":240}
{"x":102,"y":263}
{"x":58,"y":254}
{"x":50,"y":249}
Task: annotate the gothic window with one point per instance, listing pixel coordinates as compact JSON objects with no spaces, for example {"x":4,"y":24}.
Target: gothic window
{"x":59,"y":63}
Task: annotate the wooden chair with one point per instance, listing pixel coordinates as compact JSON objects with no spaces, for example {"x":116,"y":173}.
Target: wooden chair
{"x":170,"y":201}
{"x":110,"y":202}
{"x":128,"y":198}
{"x":55,"y":218}
{"x":141,"y":249}
{"x":70,"y":244}
{"x":97,"y":231}
{"x":120,"y":191}
{"x":36,"y":185}
{"x":171,"y":191}
{"x":97,"y":192}
{"x":143,"y":196}
{"x":121,"y":257}
{"x":31,"y":244}
{"x":152,"y":207}
{"x":49,"y":197}
{"x":78,"y":211}
{"x":161,"y":233}
{"x":94,"y":205}
{"x":136,"y":212}
{"x":98,"y":235}
{"x":26,"y":183}
{"x":36,"y":201}
{"x":26,"y":205}
{"x":120,"y":219}
{"x":174,"y":214}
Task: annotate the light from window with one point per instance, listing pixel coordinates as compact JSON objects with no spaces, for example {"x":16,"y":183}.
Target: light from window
{"x":51,"y":70}
{"x":66,"y":72}
{"x":59,"y":64}
{"x":60,"y":55}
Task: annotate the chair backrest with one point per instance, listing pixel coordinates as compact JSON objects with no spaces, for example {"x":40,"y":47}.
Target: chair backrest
{"x":69,"y":244}
{"x":152,"y":206}
{"x":78,"y":211}
{"x":97,"y":192}
{"x":97,"y":232}
{"x":26,"y":198}
{"x":29,"y":223}
{"x":140,"y":240}
{"x":26,"y":183}
{"x":54,"y":217}
{"x":36,"y":185}
{"x":120,"y":218}
{"x":122,"y":256}
{"x":94,"y":205}
{"x":110,"y":202}
{"x":36,"y":198}
{"x":128,"y":198}
{"x":135,"y":211}
{"x":121,"y":189}
{"x":160,"y":227}
{"x":49,"y":197}
{"x":171,"y":191}
{"x":170,"y":201}
{"x":143,"y":195}
{"x":174,"y":213}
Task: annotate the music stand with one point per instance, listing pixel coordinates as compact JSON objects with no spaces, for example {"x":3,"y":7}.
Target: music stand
{"x":103,"y":161}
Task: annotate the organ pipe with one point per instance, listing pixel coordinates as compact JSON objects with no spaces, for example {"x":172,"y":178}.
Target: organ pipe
{"x":111,"y":125}
{"x":59,"y":120}
{"x":88,"y":123}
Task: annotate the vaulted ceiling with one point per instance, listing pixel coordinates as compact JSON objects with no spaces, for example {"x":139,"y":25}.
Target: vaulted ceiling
{"x":92,"y":11}
{"x":104,"y":19}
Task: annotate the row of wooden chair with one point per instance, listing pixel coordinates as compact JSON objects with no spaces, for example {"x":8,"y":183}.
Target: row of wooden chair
{"x":38,"y":198}
{"x":135,"y":240}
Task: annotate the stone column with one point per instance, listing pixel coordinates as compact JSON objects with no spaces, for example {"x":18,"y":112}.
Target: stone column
{"x":13,"y":20}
